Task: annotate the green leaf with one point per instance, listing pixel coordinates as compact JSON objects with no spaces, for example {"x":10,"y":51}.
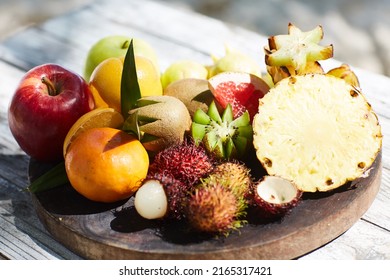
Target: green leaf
{"x":146,"y":102}
{"x":130,"y":91}
{"x":55,"y":177}
{"x":131,"y":125}
{"x":142,"y":120}
{"x":146,"y":137}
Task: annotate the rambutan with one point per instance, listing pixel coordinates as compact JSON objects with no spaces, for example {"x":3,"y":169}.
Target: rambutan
{"x":274,"y":197}
{"x":186,"y":162}
{"x":213,"y":208}
{"x":235,"y":175}
{"x":162,"y":196}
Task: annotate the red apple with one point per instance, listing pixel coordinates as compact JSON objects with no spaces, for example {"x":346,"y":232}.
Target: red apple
{"x":46,"y":103}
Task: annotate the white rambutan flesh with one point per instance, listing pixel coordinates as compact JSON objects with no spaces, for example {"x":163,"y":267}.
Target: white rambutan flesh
{"x":150,"y":200}
{"x":276,"y":190}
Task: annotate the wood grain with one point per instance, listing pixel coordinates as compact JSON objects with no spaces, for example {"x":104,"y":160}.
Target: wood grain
{"x":66,"y":39}
{"x":116,"y":231}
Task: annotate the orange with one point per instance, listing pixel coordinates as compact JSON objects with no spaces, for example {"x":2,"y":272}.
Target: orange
{"x":99,"y":117}
{"x":107,"y":76}
{"x":106,"y":164}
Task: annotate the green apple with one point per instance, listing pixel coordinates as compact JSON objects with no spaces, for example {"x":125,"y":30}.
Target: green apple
{"x":116,"y":46}
{"x":183,"y":69}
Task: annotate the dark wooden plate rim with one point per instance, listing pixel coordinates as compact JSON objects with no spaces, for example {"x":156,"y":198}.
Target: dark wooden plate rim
{"x":116,"y":231}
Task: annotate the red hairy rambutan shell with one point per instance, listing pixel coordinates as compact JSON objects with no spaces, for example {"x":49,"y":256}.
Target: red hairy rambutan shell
{"x":186,"y":162}
{"x":212,"y":209}
{"x":274,"y":196}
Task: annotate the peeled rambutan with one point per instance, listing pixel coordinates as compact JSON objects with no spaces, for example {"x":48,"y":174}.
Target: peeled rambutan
{"x":162,"y":196}
{"x":214,"y":209}
{"x":186,"y":162}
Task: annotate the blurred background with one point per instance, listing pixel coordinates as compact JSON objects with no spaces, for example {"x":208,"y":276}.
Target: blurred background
{"x":358,"y":29}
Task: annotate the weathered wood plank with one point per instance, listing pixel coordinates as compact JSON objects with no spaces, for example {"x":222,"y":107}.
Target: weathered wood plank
{"x":379,"y":213}
{"x":175,"y":35}
{"x":80,"y":30}
{"x":21,"y":240}
{"x":193,"y":30}
{"x":376,"y":88}
{"x":9,"y":79}
{"x":362,"y":241}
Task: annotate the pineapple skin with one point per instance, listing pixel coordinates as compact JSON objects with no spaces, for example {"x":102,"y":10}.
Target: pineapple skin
{"x":317,"y":131}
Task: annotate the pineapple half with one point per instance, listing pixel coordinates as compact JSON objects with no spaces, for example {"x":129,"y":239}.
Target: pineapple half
{"x":317,"y":131}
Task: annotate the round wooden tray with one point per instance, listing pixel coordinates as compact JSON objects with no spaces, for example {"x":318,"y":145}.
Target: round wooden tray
{"x":116,"y":231}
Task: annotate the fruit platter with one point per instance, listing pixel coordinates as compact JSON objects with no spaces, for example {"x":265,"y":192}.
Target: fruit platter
{"x":198,"y":161}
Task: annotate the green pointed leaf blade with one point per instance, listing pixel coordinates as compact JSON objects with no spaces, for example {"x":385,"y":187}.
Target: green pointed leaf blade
{"x":146,"y":102}
{"x":131,"y":125}
{"x":142,"y":120}
{"x":146,"y":137}
{"x":130,"y":90}
{"x":55,"y":177}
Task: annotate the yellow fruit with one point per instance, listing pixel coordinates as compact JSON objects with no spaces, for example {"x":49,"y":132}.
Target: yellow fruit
{"x":234,"y":61}
{"x":106,"y":164}
{"x":116,"y":46}
{"x":100,"y":117}
{"x":317,"y":131}
{"x":107,"y":76}
{"x":148,"y":77}
{"x":183,"y":69}
{"x":99,"y":102}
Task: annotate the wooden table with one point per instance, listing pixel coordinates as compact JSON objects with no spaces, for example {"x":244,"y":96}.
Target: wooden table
{"x":175,"y":35}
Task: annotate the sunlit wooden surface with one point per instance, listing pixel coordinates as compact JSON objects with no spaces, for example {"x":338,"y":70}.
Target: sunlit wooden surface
{"x":175,"y":35}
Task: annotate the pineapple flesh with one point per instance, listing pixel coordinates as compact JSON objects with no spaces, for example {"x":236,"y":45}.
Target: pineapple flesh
{"x":317,"y":131}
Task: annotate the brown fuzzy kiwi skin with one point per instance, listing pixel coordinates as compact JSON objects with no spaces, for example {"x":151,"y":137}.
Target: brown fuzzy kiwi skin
{"x":166,"y":118}
{"x":187,"y":90}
